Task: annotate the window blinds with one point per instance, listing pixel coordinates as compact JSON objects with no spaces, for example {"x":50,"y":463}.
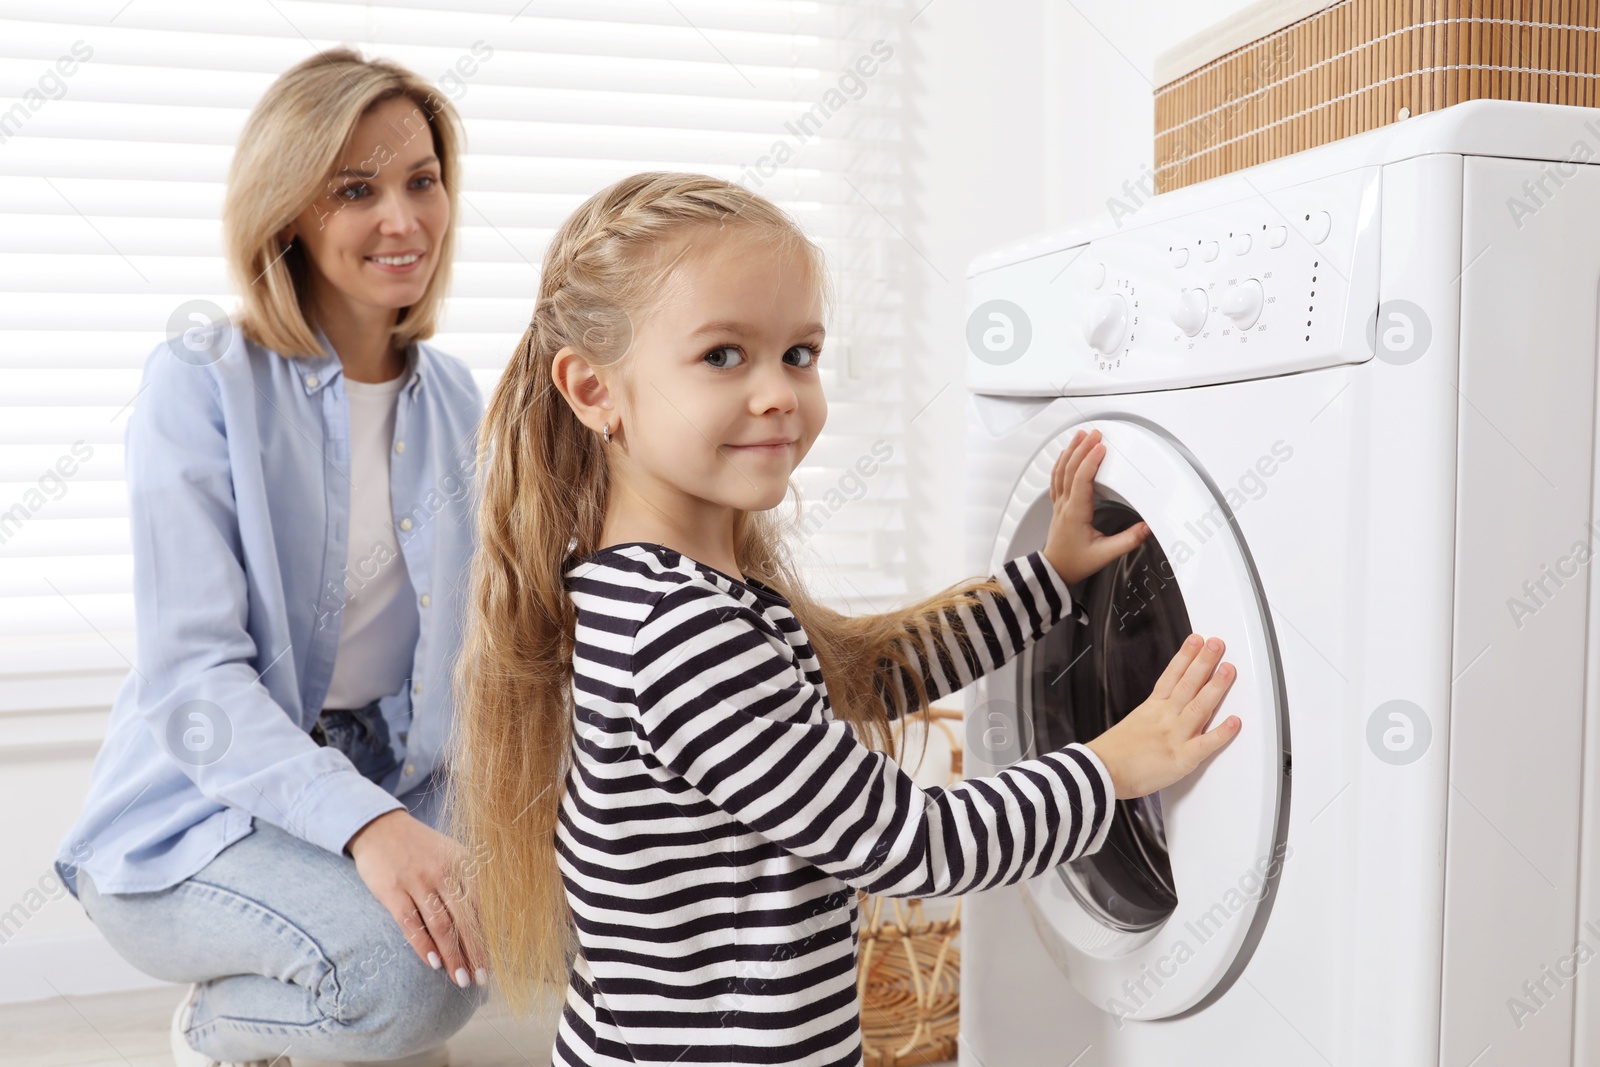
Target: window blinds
{"x":117,"y":123}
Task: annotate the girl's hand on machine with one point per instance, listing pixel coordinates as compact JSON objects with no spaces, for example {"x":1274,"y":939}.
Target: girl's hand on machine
{"x":1073,"y":546}
{"x":1165,"y":738}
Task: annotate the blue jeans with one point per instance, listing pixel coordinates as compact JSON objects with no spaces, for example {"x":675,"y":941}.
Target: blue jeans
{"x":292,"y":952}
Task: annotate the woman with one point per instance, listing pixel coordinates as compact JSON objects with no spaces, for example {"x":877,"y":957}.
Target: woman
{"x":261,"y":821}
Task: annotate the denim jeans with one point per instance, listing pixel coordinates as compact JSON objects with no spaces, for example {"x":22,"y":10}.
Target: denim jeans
{"x":292,"y":952}
{"x":360,"y":733}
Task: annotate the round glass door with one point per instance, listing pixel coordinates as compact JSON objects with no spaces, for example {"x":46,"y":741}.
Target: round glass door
{"x":1112,"y":917}
{"x":1086,"y":675}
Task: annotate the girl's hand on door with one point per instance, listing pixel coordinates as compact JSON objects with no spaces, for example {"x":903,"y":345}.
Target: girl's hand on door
{"x":1165,"y":738}
{"x":1073,"y":546}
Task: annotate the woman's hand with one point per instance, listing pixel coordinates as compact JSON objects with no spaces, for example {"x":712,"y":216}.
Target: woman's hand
{"x":1073,"y":546}
{"x":415,"y":872}
{"x":1161,"y":741}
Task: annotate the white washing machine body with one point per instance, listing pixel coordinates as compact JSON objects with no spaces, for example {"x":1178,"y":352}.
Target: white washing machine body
{"x":1352,"y":391}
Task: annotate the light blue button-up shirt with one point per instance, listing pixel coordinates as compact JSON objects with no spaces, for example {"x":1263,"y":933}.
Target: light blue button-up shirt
{"x":238,"y":474}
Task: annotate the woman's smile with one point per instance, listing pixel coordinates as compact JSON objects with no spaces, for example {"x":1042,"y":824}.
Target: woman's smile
{"x":398,"y":262}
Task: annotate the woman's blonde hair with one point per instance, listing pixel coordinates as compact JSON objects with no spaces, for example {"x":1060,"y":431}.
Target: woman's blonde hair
{"x":543,"y":499}
{"x":290,"y":146}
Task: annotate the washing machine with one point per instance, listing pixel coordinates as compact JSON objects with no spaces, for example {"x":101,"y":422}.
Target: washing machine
{"x":1352,"y":392}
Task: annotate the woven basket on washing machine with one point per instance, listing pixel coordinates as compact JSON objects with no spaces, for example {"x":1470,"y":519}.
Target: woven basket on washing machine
{"x":908,"y":972}
{"x":1287,"y":75}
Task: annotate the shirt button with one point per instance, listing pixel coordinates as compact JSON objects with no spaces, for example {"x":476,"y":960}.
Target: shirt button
{"x":399,"y":446}
{"x":410,"y":767}
{"x":405,"y":524}
{"x":312,"y":381}
{"x":417,"y":689}
{"x":425,"y":600}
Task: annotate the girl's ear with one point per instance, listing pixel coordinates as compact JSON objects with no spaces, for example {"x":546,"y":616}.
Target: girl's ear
{"x":581,"y":385}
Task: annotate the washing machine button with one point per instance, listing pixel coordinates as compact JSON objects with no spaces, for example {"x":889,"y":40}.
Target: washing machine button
{"x":1190,"y":315}
{"x":1110,"y":324}
{"x":1243,"y":303}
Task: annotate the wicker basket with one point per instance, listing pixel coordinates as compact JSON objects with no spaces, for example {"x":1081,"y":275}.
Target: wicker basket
{"x":909,"y":970}
{"x":1293,"y":74}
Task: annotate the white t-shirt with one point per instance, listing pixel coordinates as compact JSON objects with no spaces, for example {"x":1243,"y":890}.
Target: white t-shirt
{"x":378,"y":633}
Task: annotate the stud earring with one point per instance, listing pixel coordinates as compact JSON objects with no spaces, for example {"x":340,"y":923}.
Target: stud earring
{"x":606,"y":428}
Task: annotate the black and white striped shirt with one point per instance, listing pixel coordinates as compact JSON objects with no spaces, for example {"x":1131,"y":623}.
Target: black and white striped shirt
{"x":718,"y":820}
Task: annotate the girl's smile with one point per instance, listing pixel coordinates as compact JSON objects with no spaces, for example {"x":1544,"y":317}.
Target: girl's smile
{"x":777,"y":448}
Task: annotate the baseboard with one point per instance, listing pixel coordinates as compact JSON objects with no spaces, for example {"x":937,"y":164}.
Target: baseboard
{"x":41,"y":968}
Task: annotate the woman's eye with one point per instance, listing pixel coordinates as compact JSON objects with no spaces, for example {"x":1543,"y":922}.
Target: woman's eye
{"x":722,"y":348}
{"x":359,"y":190}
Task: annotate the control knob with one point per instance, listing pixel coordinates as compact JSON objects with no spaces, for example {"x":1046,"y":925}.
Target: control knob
{"x":1243,"y":302}
{"x":1109,"y":324}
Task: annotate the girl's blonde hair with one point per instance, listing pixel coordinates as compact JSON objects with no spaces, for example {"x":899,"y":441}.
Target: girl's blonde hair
{"x":289,"y":148}
{"x":543,"y":498}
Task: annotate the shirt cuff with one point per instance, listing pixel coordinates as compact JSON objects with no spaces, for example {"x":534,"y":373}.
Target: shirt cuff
{"x":1111,"y":799}
{"x":340,"y":803}
{"x":1058,"y":583}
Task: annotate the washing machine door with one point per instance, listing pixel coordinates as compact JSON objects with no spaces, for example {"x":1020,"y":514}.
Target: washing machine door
{"x":1166,"y":912}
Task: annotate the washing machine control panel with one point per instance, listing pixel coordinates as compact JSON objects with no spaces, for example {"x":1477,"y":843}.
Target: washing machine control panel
{"x":1278,"y":281}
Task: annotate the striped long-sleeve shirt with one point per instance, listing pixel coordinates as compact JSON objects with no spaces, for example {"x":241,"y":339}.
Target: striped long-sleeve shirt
{"x":718,"y":820}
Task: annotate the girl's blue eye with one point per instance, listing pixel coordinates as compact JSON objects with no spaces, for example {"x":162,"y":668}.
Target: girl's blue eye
{"x":722,"y":348}
{"x":813,"y":350}
{"x":813,"y":354}
{"x":427,"y":178}
{"x":352,"y":188}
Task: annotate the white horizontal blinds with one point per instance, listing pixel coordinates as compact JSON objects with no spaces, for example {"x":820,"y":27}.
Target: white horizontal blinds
{"x":112,"y":169}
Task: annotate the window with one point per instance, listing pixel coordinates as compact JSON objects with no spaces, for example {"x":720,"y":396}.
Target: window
{"x":116,"y":129}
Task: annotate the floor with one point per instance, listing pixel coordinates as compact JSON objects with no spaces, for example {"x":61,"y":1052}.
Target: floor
{"x":130,"y":1030}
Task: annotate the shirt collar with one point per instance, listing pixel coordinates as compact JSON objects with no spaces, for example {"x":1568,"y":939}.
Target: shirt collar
{"x":318,"y":370}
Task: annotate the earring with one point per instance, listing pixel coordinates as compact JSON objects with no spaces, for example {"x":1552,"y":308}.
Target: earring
{"x":606,"y":428}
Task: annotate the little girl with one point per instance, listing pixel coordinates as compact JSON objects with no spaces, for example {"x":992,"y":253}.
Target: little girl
{"x":672,"y":759}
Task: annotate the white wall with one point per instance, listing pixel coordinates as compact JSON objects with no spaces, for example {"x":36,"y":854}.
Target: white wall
{"x":1033,"y":114}
{"x":47,"y":945}
{"x":1027,"y":114}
